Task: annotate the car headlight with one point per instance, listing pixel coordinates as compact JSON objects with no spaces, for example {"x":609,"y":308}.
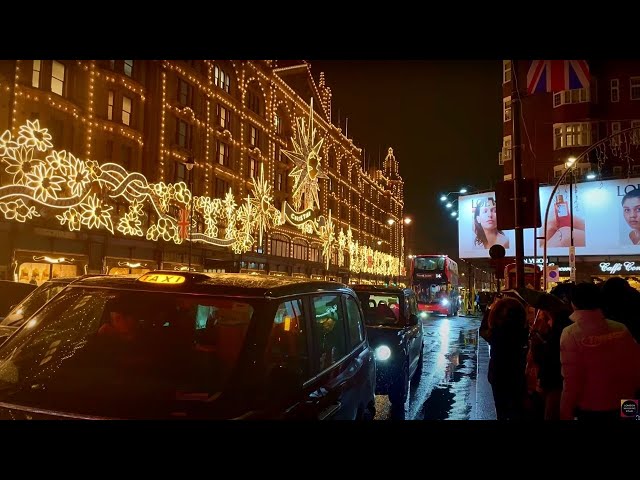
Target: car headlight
{"x":383,"y":353}
{"x":423,"y":314}
{"x":445,"y":302}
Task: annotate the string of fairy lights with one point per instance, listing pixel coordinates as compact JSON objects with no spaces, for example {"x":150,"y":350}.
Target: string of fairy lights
{"x":280,"y":102}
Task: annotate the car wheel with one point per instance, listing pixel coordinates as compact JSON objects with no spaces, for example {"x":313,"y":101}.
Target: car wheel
{"x":400,"y":392}
{"x":418,"y":372}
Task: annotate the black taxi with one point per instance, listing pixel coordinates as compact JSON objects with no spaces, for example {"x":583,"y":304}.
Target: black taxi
{"x":168,"y":345}
{"x":395,"y":333}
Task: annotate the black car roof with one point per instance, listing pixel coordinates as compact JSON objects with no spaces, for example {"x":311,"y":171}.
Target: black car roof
{"x":231,"y":284}
{"x":379,"y":289}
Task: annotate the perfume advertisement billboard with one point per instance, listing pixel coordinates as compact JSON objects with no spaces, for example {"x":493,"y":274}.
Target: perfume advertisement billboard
{"x":606,"y":221}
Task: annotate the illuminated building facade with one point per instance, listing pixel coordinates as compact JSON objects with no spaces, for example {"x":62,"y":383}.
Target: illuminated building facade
{"x":120,"y":137}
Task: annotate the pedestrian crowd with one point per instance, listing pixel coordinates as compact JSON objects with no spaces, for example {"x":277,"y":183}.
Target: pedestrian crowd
{"x":575,"y":356}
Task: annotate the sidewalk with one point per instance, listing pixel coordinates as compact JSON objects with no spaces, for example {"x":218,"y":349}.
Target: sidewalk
{"x":483,"y":407}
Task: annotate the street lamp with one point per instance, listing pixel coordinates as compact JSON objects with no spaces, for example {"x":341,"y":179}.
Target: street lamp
{"x":190,"y":164}
{"x":407,"y":220}
{"x":391,"y":221}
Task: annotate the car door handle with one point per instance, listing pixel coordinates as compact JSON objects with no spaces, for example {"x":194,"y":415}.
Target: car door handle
{"x":330,"y":410}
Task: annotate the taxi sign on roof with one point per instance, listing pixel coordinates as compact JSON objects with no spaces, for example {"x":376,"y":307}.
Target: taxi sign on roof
{"x":162,"y":278}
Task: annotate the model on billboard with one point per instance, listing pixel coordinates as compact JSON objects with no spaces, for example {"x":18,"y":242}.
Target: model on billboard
{"x":631,"y":212}
{"x":559,"y":226}
{"x":485,"y":226}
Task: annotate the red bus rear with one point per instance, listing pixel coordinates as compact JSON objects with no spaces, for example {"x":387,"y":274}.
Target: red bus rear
{"x":435,"y":280}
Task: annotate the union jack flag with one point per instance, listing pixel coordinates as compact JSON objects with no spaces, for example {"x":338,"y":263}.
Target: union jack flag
{"x":183,"y":224}
{"x":557,"y":75}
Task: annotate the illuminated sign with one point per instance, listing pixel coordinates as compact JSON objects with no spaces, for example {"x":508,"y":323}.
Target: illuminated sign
{"x":613,"y":268}
{"x":162,"y":278}
{"x":606,"y":221}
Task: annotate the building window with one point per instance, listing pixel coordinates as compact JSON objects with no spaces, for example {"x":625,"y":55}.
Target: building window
{"x":506,"y":71}
{"x":635,"y":170}
{"x":35,"y":77}
{"x":615,"y":90}
{"x":253,"y":168}
{"x":617,"y":170}
{"x":278,"y":122}
{"x":57,"y":77}
{"x":615,"y":128}
{"x":576,"y":95}
{"x":222,"y":188}
{"x":224,"y":117}
{"x":254,"y":136}
{"x":332,"y":159}
{"x":126,"y":110}
{"x":180,"y":173}
{"x":278,"y":181}
{"x":110,"y":105}
{"x":300,"y":249}
{"x":279,"y":245}
{"x":184,"y":134}
{"x":506,"y":109}
{"x":222,"y":153}
{"x":221,"y":79}
{"x":128,"y":68}
{"x":634,"y":83}
{"x":315,"y":254}
{"x":635,"y":133}
{"x":506,"y":148}
{"x":125,"y":156}
{"x":571,"y":135}
{"x":253,"y":101}
{"x":184,"y":93}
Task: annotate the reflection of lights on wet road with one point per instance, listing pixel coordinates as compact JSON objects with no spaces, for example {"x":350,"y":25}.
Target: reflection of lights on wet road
{"x":443,"y":332}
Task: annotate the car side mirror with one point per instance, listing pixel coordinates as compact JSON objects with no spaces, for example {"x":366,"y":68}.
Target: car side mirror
{"x":413,"y":320}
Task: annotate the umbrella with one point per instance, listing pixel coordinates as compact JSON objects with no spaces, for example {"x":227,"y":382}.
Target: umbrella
{"x":538,"y":299}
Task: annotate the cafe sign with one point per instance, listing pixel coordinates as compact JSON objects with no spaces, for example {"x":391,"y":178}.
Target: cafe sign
{"x":613,"y":268}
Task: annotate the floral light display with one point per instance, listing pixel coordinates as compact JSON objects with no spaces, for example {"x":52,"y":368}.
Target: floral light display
{"x":49,"y":183}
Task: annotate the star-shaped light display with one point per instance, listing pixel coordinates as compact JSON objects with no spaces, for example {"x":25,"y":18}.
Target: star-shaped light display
{"x":307,"y":164}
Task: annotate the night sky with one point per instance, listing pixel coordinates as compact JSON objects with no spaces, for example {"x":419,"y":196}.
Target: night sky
{"x":443,"y":120}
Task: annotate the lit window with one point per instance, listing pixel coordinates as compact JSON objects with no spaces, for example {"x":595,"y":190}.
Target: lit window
{"x":184,"y":92}
{"x":110,"y":105}
{"x":57,"y":77}
{"x":254,"y":168}
{"x":576,"y":95}
{"x":222,"y":153}
{"x":615,"y":90}
{"x":221,"y":79}
{"x":572,"y":135}
{"x":128,"y":68}
{"x":634,"y":83}
{"x":278,"y":121}
{"x":506,"y":148}
{"x":615,"y":128}
{"x":126,"y":110}
{"x":224,"y":117}
{"x":35,"y":78}
{"x":254,"y":136}
{"x":506,"y":109}
{"x":635,"y":133}
{"x":506,"y":71}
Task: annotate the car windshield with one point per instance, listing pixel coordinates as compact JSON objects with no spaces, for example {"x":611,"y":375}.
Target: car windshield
{"x":381,"y":308}
{"x":124,"y":354}
{"x":32,"y":303}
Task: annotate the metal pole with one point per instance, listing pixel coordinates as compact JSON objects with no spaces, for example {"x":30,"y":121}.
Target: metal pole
{"x":190,"y":215}
{"x":517,"y":175}
{"x":571,"y":203}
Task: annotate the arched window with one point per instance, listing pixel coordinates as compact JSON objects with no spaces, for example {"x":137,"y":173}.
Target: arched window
{"x":279,"y":245}
{"x":315,"y":255}
{"x":300,"y":249}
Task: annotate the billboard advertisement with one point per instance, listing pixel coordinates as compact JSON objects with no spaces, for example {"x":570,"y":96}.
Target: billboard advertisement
{"x":606,"y":221}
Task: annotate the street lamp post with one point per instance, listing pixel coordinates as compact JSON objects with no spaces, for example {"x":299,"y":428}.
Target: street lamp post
{"x":189,"y":164}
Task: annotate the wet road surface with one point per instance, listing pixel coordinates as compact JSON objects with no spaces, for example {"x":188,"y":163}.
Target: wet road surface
{"x":453,"y":383}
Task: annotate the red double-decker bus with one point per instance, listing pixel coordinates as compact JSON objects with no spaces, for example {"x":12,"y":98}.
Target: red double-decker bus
{"x":435,"y":280}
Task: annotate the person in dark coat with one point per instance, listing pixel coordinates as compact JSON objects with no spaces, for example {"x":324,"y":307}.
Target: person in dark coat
{"x":621,"y":303}
{"x":508,"y":335}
